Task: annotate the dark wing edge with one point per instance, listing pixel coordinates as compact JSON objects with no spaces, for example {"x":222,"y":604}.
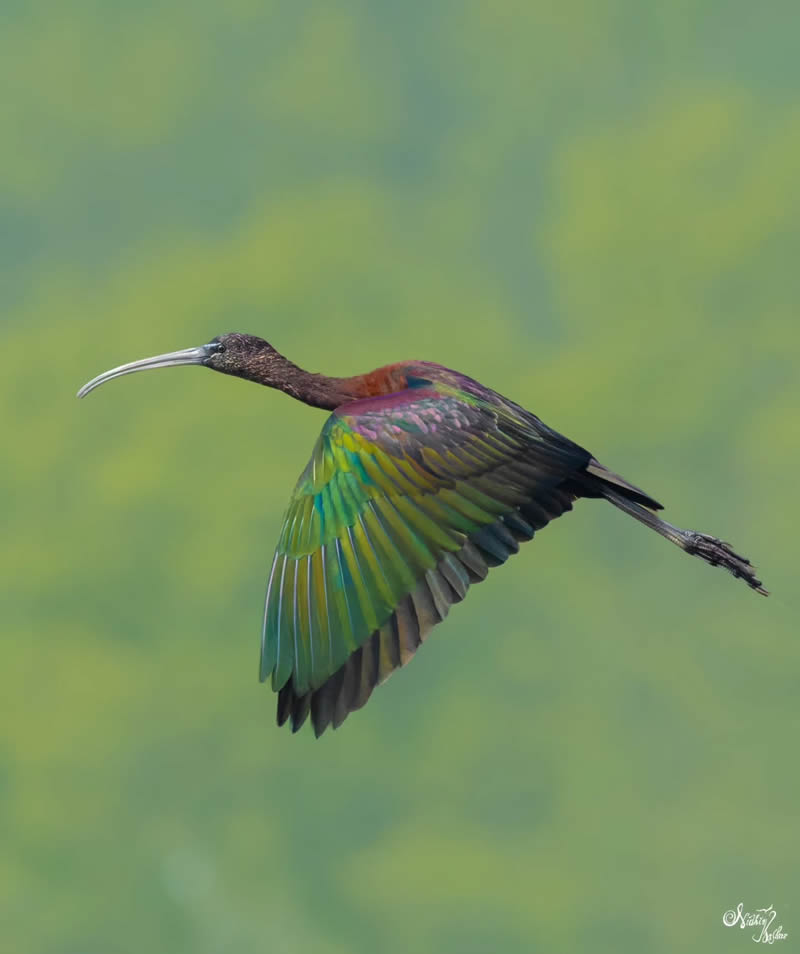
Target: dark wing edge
{"x":395,"y":643}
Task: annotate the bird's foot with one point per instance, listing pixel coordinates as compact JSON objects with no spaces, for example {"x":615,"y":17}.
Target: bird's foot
{"x":718,"y":553}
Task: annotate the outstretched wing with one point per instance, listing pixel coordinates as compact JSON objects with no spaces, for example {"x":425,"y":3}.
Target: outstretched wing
{"x":407,"y":499}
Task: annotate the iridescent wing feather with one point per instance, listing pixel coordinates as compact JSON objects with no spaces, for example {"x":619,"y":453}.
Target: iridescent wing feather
{"x":407,"y":499}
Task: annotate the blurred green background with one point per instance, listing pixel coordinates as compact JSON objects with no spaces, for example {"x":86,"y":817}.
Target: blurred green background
{"x":592,"y":206}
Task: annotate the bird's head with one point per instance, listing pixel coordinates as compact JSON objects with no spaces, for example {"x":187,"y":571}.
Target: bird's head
{"x":244,"y":356}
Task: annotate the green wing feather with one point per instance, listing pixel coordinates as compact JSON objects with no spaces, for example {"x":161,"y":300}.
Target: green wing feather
{"x":406,"y":500}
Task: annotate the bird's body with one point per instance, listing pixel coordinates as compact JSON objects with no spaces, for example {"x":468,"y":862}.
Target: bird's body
{"x":421,"y":480}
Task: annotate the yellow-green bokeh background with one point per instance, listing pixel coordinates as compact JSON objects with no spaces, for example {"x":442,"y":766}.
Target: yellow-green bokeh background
{"x":592,"y":206}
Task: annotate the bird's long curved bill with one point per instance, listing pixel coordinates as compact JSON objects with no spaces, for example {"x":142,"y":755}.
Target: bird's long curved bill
{"x":171,"y":360}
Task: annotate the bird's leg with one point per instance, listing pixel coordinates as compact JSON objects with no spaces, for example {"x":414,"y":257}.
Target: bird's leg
{"x":708,"y":548}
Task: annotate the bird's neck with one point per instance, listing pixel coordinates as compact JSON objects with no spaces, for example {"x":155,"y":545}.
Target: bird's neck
{"x":319,"y":390}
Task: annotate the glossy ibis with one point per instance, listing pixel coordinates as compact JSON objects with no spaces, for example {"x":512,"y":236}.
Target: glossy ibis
{"x":422,"y":480}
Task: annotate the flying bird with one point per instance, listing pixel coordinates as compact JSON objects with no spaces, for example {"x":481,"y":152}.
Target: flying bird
{"x":421,"y":481}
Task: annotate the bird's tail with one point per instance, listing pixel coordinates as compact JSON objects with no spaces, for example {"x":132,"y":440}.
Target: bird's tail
{"x":708,"y":548}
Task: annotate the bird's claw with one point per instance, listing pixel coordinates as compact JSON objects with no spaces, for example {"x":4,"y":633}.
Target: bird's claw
{"x":718,"y":553}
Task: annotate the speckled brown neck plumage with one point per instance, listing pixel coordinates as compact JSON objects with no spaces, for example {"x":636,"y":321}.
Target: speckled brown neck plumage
{"x":245,"y":356}
{"x":319,"y":390}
